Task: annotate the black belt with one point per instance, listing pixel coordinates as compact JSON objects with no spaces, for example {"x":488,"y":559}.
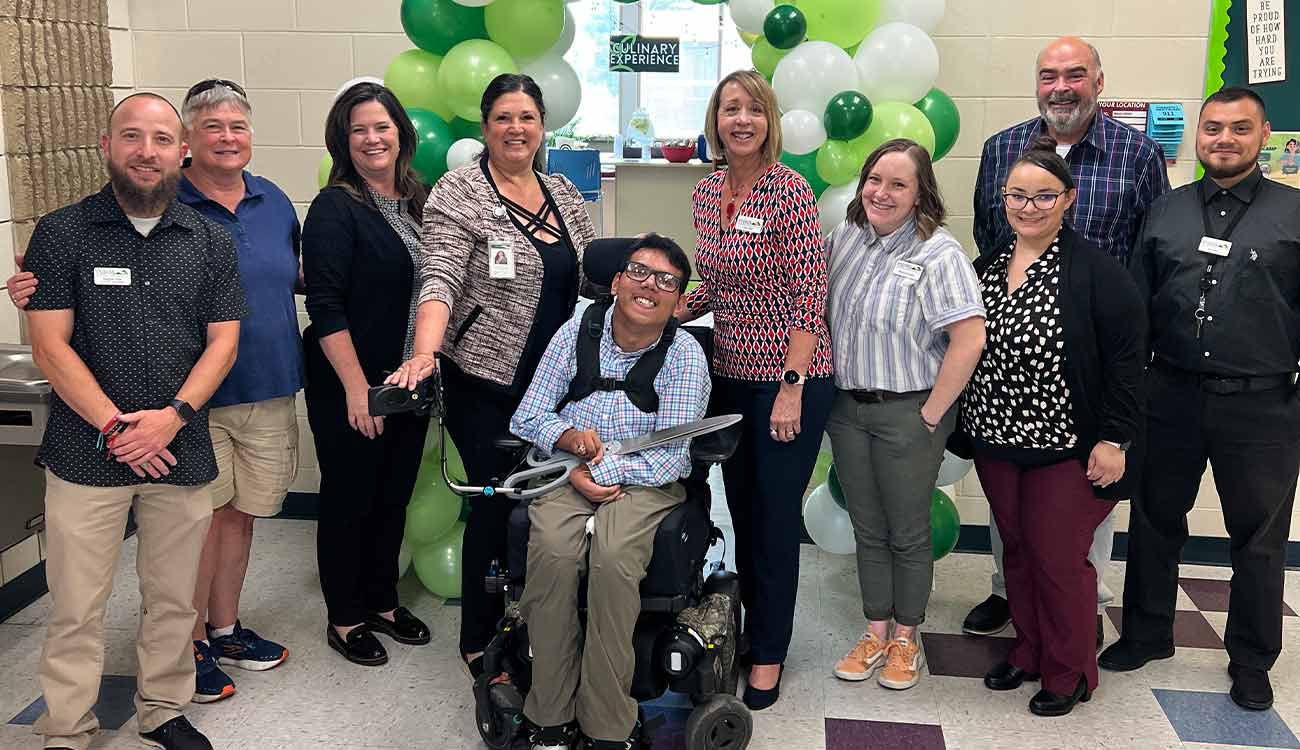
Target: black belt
{"x":1224,"y":384}
{"x":877,"y":397}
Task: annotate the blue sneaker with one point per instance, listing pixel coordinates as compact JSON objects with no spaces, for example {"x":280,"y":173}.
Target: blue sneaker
{"x":247,"y":650}
{"x":210,"y":683}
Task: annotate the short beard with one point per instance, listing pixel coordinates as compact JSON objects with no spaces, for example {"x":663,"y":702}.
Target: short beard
{"x":1074,"y":123}
{"x":1224,"y":173}
{"x":143,"y":203}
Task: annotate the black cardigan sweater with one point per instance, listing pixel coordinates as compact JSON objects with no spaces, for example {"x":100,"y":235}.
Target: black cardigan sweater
{"x":1105,"y":328}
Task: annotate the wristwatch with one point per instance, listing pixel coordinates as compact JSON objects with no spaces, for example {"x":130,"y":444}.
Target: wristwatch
{"x":793,"y":378}
{"x":183,"y":410}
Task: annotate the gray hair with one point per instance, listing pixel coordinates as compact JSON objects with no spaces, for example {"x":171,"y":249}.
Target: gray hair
{"x":211,"y":98}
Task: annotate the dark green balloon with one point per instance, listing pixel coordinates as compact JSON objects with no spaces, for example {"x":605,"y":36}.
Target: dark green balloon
{"x":833,"y":483}
{"x":785,"y":27}
{"x":847,"y":116}
{"x":945,"y":524}
{"x":806,"y":166}
{"x":432,"y":139}
{"x":439,"y":25}
{"x":462,"y":128}
{"x":942,"y":113}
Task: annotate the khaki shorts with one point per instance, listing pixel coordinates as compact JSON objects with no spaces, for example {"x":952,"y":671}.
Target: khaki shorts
{"x":257,"y":455}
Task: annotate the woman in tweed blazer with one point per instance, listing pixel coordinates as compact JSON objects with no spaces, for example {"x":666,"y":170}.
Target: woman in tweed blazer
{"x":489,"y":322}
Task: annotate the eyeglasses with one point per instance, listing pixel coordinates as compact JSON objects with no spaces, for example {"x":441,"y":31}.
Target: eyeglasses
{"x":664,"y":280}
{"x":1042,"y":201}
{"x":209,"y":83}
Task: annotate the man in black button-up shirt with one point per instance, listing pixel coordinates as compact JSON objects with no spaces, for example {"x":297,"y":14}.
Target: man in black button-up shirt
{"x":135,"y":323}
{"x":1218,"y":262}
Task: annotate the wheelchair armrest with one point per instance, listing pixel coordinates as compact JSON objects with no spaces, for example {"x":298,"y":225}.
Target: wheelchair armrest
{"x":716,"y":447}
{"x":508,"y":443}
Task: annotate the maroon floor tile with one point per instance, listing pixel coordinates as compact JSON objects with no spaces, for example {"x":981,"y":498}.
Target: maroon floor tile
{"x":953,"y":655}
{"x":1191,"y":629}
{"x":1211,"y":595}
{"x":853,"y":734}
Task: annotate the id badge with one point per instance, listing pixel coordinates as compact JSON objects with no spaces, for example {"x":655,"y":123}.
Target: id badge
{"x":749,"y":225}
{"x":1215,"y":247}
{"x":501,"y":259}
{"x":909,"y":271}
{"x":112,"y":276}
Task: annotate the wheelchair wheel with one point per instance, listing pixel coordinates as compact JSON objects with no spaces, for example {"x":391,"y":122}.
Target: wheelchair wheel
{"x":721,"y":723}
{"x":499,"y":713}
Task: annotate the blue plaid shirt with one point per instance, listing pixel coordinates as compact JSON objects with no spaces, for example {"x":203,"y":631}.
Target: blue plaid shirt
{"x":682,"y":384}
{"x":1119,"y":171}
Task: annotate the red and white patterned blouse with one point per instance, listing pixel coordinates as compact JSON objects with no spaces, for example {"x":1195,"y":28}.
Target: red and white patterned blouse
{"x":760,"y":284}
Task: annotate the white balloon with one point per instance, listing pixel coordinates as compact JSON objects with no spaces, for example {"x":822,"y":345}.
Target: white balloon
{"x":472,"y":3}
{"x":952,"y":469}
{"x":403,"y":559}
{"x":897,"y":62}
{"x":828,"y":524}
{"x":802,"y":131}
{"x":354,"y":81}
{"x":749,"y":15}
{"x":834,"y":204}
{"x":463,"y":152}
{"x":561,"y":89}
{"x":567,"y":34}
{"x":924,"y":14}
{"x":811,"y":74}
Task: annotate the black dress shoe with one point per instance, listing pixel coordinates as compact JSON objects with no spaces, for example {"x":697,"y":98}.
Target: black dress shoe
{"x":1250,"y":687}
{"x":1125,"y":655}
{"x":403,"y":628}
{"x":1047,"y":703}
{"x":1101,"y":632}
{"x":176,"y":734}
{"x":757,"y":700}
{"x":990,"y":616}
{"x":1004,"y":676}
{"x":360,"y":647}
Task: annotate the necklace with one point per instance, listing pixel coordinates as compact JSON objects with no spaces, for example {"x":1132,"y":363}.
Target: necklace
{"x":735,"y":196}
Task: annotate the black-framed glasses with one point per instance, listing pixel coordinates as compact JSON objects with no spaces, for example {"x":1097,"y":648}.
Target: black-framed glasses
{"x":640,"y":272}
{"x":209,"y":83}
{"x":1042,"y":201}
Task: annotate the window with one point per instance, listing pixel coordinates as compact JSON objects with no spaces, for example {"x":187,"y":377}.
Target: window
{"x":597,"y":20}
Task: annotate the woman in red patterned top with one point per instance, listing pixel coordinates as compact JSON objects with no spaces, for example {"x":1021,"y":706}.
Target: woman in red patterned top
{"x":762,"y":265}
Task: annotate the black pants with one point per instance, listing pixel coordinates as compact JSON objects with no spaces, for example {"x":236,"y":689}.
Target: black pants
{"x":1252,"y":442}
{"x":765,"y":482}
{"x":364,"y":488}
{"x":476,"y":414}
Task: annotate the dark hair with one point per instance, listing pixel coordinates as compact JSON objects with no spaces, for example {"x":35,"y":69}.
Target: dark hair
{"x":930,"y":213}
{"x":343,"y":174}
{"x":1290,"y":141}
{"x":512,"y":83}
{"x":1041,"y":153}
{"x":671,"y":251}
{"x":1229,"y":94}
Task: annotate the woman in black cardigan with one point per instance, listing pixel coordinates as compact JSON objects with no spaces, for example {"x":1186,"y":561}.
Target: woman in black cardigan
{"x":1052,"y":415}
{"x":358,"y":246}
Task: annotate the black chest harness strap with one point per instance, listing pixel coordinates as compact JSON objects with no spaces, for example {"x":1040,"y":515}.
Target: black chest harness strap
{"x":640,"y":382}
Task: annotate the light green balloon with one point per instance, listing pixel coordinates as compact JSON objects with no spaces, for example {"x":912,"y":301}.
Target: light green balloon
{"x":467,"y":70}
{"x":838,"y":163}
{"x":323,"y":171}
{"x":413,"y":78}
{"x":432,"y":512}
{"x":525,"y":28}
{"x":765,"y":57}
{"x":892,"y":120}
{"x":844,"y":23}
{"x":438,"y":564}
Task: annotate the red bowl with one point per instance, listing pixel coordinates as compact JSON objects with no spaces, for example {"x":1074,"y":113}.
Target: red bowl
{"x":678,"y":154}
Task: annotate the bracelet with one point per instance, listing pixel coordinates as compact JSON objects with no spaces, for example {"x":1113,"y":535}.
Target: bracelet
{"x":933,"y":426}
{"x":112,"y":423}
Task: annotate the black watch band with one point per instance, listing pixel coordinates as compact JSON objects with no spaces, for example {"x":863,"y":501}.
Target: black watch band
{"x":184,"y":410}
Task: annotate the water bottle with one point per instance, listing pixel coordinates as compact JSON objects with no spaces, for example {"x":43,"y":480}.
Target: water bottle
{"x":645,"y":151}
{"x":618,"y":146}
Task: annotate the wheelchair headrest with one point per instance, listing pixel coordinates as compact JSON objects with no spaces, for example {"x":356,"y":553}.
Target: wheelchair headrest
{"x":603,"y":259}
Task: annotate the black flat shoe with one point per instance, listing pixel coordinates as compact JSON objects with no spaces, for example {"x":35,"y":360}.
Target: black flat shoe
{"x":1101,"y":634}
{"x":990,"y":616}
{"x":403,"y":628}
{"x":757,"y":700}
{"x":1004,"y":676}
{"x":1250,"y":687}
{"x":1126,"y":656}
{"x":360,"y":647}
{"x":1047,"y":703}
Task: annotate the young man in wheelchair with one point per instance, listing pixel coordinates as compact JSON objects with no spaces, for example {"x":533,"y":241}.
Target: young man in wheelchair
{"x":605,"y":377}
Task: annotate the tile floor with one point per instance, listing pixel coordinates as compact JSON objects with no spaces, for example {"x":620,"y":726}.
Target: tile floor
{"x":421,"y":698}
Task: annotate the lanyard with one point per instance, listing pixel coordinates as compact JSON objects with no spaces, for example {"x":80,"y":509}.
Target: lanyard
{"x":1207,"y":281}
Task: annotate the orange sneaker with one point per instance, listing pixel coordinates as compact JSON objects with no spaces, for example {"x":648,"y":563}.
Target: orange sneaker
{"x":863,"y":659}
{"x":903,"y":664}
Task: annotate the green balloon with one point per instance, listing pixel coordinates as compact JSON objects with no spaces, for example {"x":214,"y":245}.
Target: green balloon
{"x":431,"y":513}
{"x":785,"y":27}
{"x":413,"y":78}
{"x":806,"y":166}
{"x":839,"y":162}
{"x":822,"y":469}
{"x":437,"y":564}
{"x":843,"y":23}
{"x":466,"y":72}
{"x":431,"y":463}
{"x":765,"y":57}
{"x":462,"y":128}
{"x":945,"y":524}
{"x":942,"y":113}
{"x":323,"y":171}
{"x":892,"y":120}
{"x":847,"y":116}
{"x":525,"y":28}
{"x":438,"y":25}
{"x":837,"y":492}
{"x":432,"y":140}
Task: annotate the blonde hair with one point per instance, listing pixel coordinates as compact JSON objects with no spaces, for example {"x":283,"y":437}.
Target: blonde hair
{"x":758,"y":88}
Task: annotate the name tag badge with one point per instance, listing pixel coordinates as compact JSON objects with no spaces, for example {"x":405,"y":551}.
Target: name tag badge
{"x":749,"y":225}
{"x":909,"y":271}
{"x":112,"y":276}
{"x":501,"y":259}
{"x":1215,"y":247}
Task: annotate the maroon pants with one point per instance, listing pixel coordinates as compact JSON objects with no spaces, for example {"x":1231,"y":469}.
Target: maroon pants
{"x":1047,"y":515}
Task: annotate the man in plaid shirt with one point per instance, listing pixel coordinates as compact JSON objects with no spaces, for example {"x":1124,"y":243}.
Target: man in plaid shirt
{"x":624,"y":497}
{"x":1119,"y":173}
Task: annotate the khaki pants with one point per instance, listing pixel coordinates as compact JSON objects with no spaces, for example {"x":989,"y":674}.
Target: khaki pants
{"x":84,"y":528}
{"x":590,"y":681}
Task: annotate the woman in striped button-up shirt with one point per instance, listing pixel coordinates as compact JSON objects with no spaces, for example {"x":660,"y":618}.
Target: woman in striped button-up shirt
{"x":907,"y":322}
